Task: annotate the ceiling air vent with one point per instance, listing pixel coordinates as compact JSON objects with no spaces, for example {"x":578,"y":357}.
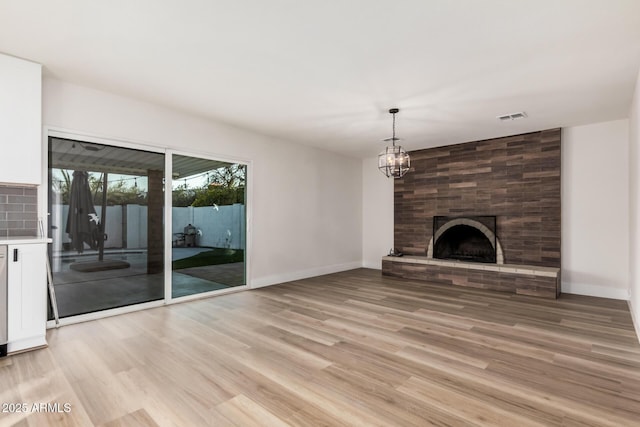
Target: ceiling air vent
{"x":513,"y":116}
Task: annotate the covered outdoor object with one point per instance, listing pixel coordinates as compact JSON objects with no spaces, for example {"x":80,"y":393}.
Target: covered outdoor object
{"x":84,"y":225}
{"x":190,"y":233}
{"x":82,"y":222}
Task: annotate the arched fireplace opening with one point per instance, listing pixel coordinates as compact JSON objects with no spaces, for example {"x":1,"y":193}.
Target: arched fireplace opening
{"x":464,"y":243}
{"x":471,"y":239}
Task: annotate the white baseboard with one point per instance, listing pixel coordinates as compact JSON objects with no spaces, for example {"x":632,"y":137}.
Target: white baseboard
{"x":303,"y":274}
{"x":595,"y":291}
{"x":376,"y":265}
{"x":634,"y":319}
{"x":26,"y":343}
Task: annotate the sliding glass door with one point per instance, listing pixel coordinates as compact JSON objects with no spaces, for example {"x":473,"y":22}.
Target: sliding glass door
{"x":107,"y":222}
{"x":106,"y":209}
{"x":208,"y":225}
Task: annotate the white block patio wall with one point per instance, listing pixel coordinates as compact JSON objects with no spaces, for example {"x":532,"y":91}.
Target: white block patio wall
{"x":222,"y":227}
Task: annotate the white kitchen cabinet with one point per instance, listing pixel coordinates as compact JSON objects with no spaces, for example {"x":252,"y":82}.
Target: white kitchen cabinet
{"x":27,"y":296}
{"x":20,"y":121}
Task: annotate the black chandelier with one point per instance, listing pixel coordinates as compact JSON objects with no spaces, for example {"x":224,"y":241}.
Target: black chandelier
{"x":394,"y":161}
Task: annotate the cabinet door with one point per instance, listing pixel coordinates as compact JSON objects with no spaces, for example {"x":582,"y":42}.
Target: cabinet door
{"x":20,"y":121}
{"x":27,"y":296}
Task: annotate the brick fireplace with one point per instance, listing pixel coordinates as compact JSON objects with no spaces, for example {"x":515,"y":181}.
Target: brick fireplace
{"x":515,"y":180}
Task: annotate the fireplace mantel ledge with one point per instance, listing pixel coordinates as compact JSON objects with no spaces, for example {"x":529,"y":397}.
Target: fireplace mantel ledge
{"x":531,"y":270}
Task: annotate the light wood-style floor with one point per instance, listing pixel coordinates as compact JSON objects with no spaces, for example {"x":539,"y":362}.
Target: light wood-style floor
{"x":351,"y":348}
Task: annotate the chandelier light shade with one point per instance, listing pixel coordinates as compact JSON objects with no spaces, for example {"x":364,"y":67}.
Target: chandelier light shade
{"x":394,"y":161}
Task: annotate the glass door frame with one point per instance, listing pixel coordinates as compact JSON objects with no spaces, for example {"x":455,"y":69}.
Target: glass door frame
{"x":43,"y":203}
{"x":168,"y":219}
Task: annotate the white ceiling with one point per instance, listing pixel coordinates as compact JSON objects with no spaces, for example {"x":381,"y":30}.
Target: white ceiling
{"x":325,"y":72}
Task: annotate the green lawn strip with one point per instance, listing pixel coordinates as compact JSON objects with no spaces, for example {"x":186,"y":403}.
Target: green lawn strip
{"x":213,"y":257}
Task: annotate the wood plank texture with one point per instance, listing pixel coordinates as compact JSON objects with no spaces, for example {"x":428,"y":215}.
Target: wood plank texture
{"x":516,"y":178}
{"x":352,"y":348}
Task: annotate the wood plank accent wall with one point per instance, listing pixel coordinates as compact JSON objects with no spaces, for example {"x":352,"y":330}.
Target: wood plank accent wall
{"x":516,"y":178}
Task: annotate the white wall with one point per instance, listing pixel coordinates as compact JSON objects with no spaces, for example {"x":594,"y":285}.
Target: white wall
{"x":377,"y":214}
{"x":307,"y":203}
{"x":595,"y":206}
{"x":634,"y":206}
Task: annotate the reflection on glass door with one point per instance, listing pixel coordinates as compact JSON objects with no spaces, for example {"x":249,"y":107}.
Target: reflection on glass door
{"x":106,"y":205}
{"x":208,"y":225}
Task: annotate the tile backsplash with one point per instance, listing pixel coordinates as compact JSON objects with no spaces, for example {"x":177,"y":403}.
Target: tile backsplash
{"x":18,"y":211}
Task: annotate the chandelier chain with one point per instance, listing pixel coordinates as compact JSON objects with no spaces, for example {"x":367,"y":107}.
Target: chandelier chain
{"x":393,"y":138}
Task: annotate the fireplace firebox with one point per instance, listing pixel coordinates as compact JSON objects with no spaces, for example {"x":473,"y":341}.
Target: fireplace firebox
{"x":470,"y":239}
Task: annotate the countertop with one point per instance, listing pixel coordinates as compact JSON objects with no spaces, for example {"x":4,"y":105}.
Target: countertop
{"x":23,"y":240}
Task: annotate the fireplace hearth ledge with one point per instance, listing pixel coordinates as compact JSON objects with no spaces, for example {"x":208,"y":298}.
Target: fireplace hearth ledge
{"x":531,"y":270}
{"x":513,"y":278}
